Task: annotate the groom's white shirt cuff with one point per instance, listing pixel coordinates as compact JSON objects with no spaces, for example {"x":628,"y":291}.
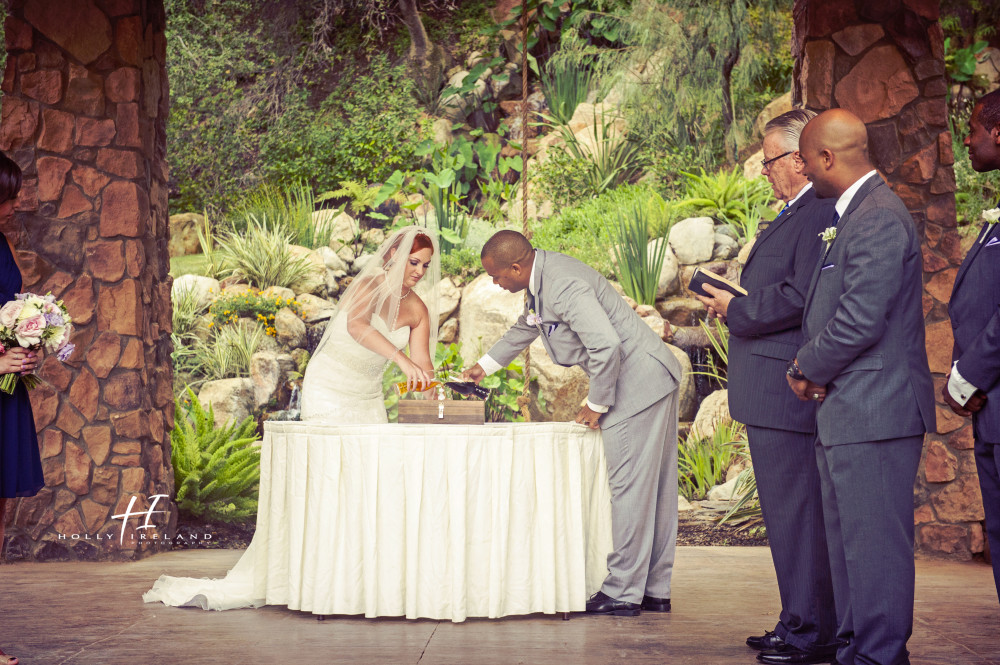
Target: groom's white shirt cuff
{"x":490,"y":366}
{"x":959,"y":389}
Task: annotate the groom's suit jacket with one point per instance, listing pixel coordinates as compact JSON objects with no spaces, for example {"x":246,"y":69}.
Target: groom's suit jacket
{"x":975,"y":320}
{"x":586,"y":322}
{"x":864,"y":325}
{"x":766,"y":324}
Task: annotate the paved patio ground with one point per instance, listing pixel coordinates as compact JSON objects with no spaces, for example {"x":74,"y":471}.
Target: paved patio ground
{"x":92,"y":614}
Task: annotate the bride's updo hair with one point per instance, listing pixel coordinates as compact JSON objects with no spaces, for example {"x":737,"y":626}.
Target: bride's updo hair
{"x":422,"y":241}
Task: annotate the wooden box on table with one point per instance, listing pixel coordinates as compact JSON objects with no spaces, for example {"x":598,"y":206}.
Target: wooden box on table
{"x":442,"y":411}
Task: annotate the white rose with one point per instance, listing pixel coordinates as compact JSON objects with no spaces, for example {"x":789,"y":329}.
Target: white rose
{"x":10,"y":312}
{"x":992,"y":215}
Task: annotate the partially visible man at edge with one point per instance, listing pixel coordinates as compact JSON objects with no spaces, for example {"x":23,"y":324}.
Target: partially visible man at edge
{"x":765,"y":329}
{"x":973,"y":387}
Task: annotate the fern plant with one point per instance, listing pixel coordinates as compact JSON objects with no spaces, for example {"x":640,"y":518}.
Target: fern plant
{"x":216,"y":469}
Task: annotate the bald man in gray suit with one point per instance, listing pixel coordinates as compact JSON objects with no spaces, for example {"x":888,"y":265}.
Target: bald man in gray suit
{"x":632,"y":399}
{"x":864,"y":350}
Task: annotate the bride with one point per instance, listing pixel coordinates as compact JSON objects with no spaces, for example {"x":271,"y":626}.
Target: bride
{"x":379,"y":314}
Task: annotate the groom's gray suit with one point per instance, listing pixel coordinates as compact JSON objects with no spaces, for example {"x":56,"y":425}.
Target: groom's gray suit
{"x":586,"y":322}
{"x":864,"y":327}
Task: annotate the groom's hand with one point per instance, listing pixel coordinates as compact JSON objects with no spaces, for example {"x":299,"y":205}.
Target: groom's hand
{"x":474,"y":374}
{"x":589,"y":417}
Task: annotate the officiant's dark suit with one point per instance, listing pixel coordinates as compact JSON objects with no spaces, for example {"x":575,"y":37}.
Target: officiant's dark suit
{"x":864,"y":328}
{"x":974,"y":309}
{"x":765,"y":332}
{"x":585,"y":322}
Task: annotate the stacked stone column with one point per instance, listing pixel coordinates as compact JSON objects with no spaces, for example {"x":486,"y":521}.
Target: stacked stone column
{"x":884,"y":61}
{"x":83,"y":113}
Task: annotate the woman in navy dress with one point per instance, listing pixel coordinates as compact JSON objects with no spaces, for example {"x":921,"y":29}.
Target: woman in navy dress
{"x":20,"y":462}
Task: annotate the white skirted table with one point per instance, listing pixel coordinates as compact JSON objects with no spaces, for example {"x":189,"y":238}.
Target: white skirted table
{"x":435,"y":521}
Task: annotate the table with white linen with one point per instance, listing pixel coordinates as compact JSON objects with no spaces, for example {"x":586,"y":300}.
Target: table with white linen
{"x":435,"y":521}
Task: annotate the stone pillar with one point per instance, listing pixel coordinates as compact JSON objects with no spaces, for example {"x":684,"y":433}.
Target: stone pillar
{"x":884,"y":61}
{"x":84,"y":114}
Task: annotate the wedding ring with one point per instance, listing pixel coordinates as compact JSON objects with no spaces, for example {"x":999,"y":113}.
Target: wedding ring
{"x":815,"y":395}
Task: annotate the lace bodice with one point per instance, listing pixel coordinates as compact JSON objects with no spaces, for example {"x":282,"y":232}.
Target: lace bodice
{"x":343,"y":381}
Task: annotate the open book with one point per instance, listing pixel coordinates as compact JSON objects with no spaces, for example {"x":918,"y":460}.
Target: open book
{"x":702,"y":277}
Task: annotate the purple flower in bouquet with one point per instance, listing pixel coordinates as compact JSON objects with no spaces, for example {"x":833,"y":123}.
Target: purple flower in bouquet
{"x":21,"y":296}
{"x":65,"y":352}
{"x":54,"y":318}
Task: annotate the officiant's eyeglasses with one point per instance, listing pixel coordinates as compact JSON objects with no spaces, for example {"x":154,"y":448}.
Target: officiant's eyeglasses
{"x":766,"y":163}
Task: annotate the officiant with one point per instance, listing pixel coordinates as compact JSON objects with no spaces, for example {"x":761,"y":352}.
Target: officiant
{"x":632,"y":399}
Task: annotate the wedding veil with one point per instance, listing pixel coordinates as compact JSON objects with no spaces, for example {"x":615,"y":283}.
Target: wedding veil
{"x":376,"y":289}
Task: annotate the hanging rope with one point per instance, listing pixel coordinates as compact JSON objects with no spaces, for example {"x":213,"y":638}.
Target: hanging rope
{"x":523,"y":400}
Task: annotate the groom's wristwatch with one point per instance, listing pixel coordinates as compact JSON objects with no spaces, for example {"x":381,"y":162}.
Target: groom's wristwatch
{"x":794,"y":371}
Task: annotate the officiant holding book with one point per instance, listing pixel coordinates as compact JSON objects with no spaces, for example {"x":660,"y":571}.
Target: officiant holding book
{"x":765,"y":329}
{"x":632,"y":399}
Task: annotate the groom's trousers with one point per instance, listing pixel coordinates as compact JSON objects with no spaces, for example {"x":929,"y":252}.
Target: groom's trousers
{"x":641,"y":453}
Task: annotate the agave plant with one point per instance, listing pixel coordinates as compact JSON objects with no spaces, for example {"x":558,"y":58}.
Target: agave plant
{"x":227,"y":354}
{"x":612,"y":158}
{"x":565,"y":86}
{"x":638,"y":265}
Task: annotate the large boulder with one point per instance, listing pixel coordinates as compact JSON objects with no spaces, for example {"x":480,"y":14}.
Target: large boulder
{"x":687,"y":398}
{"x":449,"y":297}
{"x":752,"y":165}
{"x":682,"y":311}
{"x":314,"y":281}
{"x":667,"y":284}
{"x":315,"y":308}
{"x":448,"y":332}
{"x":564,"y":388}
{"x":231,"y":399}
{"x":184,"y":234}
{"x":267,"y":372}
{"x":714,"y":409}
{"x":693,"y":239}
{"x":988,"y":66}
{"x":291,"y":330}
{"x":723,"y":492}
{"x":725,"y":247}
{"x":205,"y":288}
{"x":330,"y":259}
{"x":342,"y":226}
{"x":486,"y":312}
{"x":776,"y":107}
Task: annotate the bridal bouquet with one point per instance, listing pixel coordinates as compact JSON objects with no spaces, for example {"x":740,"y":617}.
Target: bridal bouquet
{"x":32,"y":322}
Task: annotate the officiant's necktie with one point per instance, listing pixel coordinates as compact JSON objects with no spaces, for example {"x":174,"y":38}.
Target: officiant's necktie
{"x":763,"y":224}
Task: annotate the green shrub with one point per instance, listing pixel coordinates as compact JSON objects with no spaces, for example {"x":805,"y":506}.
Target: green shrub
{"x":728,"y":197}
{"x":261,"y":256}
{"x":216,"y":469}
{"x":364,"y":130}
{"x":585,"y":231}
{"x":256,"y":306}
{"x":462,"y":264}
{"x":702,"y":462}
{"x":286,"y":209}
{"x":563,"y":178}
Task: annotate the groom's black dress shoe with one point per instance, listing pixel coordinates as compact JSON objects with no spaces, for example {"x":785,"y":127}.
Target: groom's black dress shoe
{"x":787,"y":654}
{"x":653,"y":604}
{"x":766,"y":641}
{"x":601,"y":603}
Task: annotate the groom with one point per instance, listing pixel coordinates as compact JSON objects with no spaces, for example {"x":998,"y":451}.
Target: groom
{"x":583,"y":321}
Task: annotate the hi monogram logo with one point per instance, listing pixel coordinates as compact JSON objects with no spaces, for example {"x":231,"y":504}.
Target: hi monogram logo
{"x":128,"y":514}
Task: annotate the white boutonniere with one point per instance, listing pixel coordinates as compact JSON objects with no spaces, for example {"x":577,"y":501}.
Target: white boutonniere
{"x":828,"y":235}
{"x":534,"y":319}
{"x":991,"y":217}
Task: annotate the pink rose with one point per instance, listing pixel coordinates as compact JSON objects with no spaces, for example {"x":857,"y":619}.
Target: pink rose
{"x":10,"y":312}
{"x":29,"y":331}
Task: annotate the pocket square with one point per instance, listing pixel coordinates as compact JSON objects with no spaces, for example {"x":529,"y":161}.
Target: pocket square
{"x":832,"y":265}
{"x":552,"y":327}
{"x":993,"y":242}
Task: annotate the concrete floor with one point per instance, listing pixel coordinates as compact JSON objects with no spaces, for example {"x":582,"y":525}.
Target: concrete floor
{"x":91,"y":614}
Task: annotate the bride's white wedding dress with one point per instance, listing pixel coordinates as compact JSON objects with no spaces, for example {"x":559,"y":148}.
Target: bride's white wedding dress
{"x":342,"y":384}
